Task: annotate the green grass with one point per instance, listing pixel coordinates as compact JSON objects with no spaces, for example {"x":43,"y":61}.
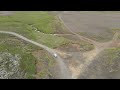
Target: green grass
{"x":11,"y":44}
{"x":20,"y":23}
{"x":51,"y":40}
{"x":14,"y":46}
{"x":112,"y":53}
{"x":28,"y":65}
{"x":45,"y":63}
{"x":104,"y":65}
{"x":47,"y":58}
{"x":43,"y":74}
{"x":42,"y":20}
{"x":111,"y":58}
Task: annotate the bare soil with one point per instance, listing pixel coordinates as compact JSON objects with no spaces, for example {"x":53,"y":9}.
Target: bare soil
{"x":101,"y":22}
{"x":71,"y":47}
{"x":43,"y":70}
{"x":92,"y":21}
{"x":79,"y":62}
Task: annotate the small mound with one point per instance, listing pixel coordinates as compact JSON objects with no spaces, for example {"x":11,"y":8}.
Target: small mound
{"x":76,"y":47}
{"x":71,"y":47}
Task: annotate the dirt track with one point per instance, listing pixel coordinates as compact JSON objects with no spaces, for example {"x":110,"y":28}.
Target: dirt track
{"x":89,"y":56}
{"x":65,"y":74}
{"x":91,"y":22}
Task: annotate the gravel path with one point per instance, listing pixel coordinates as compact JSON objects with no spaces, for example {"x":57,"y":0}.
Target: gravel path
{"x":65,"y":74}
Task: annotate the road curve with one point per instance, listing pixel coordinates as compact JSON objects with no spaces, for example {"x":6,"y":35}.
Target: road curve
{"x":79,"y":36}
{"x":64,"y":73}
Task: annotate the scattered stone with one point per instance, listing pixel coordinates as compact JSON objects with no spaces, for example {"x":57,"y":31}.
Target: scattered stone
{"x":9,"y":66}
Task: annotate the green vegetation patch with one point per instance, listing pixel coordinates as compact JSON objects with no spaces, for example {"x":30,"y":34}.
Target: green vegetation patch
{"x":21,"y":21}
{"x":29,"y":61}
{"x":51,"y":40}
{"x":45,"y":64}
{"x":112,"y":55}
{"x":40,"y":19}
{"x":14,"y":46}
{"x":105,"y":66}
{"x":111,"y":59}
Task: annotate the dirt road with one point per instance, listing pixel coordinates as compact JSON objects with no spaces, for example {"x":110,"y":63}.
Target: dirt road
{"x":65,"y":74}
{"x":89,"y":22}
{"x":81,"y":37}
{"x":89,"y":56}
